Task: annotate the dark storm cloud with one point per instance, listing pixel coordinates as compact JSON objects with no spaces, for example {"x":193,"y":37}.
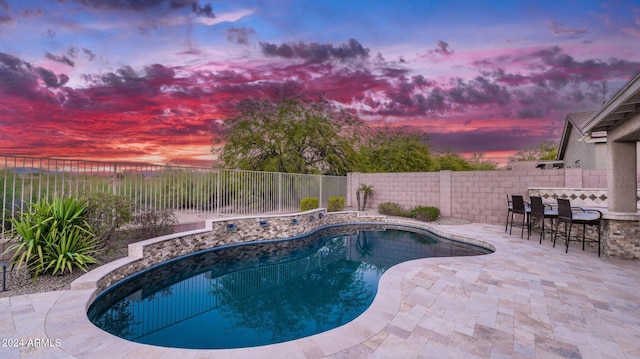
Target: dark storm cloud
{"x":127,"y":89}
{"x":10,"y":61}
{"x":20,"y":79}
{"x":145,"y":5}
{"x":32,"y":13}
{"x":551,"y":67}
{"x":315,"y":52}
{"x":508,"y":79}
{"x":89,"y":54}
{"x":531,"y":113}
{"x":478,"y":91}
{"x":559,"y":29}
{"x":51,"y":79}
{"x":485,"y":141}
{"x":61,"y":59}
{"x":73,"y":52}
{"x":421,"y":82}
{"x":557,"y":81}
{"x":442,"y":48}
{"x":5,"y":15}
{"x":203,"y":10}
{"x":240,"y":35}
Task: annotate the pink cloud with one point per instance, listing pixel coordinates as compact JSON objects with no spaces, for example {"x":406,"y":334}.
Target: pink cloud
{"x":516,"y":96}
{"x":631,"y":31}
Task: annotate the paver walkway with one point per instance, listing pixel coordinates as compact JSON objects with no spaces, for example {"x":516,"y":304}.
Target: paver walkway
{"x":524,"y":301}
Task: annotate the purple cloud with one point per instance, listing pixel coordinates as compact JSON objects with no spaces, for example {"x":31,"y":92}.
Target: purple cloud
{"x":442,"y":48}
{"x":240,"y":35}
{"x":205,"y":10}
{"x":315,"y":52}
{"x":559,"y":29}
{"x":60,"y":59}
{"x":5,"y":16}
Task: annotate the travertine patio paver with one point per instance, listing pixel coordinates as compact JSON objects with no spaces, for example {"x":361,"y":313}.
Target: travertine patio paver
{"x":524,"y":301}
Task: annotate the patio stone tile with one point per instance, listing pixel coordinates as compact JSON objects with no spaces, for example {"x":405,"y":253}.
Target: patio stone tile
{"x":10,"y":353}
{"x":395,"y":347}
{"x":7,"y":328}
{"x":524,"y":350}
{"x":398,"y":332}
{"x":561,"y":349}
{"x":524,"y":301}
{"x":5,"y":305}
{"x":374,"y":342}
{"x":359,"y":351}
{"x":437,"y":325}
{"x":437,"y":350}
{"x":472,"y":344}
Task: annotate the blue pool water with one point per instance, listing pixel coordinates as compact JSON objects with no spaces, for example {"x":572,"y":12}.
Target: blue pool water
{"x":262,"y":293}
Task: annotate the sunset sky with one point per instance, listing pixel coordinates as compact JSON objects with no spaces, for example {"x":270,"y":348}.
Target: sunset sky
{"x":151,"y":81}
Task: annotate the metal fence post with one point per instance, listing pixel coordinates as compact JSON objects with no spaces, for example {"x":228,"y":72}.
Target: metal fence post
{"x":4,"y":275}
{"x":280,"y":194}
{"x":218,"y":193}
{"x":115,"y":175}
{"x":320,"y":196}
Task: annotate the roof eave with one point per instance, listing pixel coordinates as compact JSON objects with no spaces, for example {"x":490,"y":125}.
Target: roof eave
{"x":616,"y":101}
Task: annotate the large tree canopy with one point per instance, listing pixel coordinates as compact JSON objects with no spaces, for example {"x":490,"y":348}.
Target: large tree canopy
{"x":294,"y":137}
{"x":545,"y":150}
{"x":397,"y":150}
{"x":299,"y":137}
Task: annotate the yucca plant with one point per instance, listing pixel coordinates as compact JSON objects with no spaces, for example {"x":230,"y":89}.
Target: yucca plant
{"x":53,"y":235}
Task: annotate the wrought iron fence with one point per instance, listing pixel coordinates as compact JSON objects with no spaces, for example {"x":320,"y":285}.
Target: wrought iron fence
{"x":193,"y":193}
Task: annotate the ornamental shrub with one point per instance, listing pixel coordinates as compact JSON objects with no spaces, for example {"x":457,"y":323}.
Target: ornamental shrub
{"x":392,"y":209}
{"x":155,"y":223}
{"x":309,"y":203}
{"x":107,"y":214}
{"x":336,"y":204}
{"x":424,"y":213}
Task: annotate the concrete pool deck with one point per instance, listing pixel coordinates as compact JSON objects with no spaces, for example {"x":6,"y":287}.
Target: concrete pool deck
{"x":526,"y":300}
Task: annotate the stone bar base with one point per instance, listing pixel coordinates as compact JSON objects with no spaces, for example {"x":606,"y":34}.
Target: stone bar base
{"x":621,"y":238}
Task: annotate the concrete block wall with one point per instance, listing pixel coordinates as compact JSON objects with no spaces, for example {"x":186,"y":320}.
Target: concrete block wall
{"x":592,"y":179}
{"x":478,"y":196}
{"x":408,"y":189}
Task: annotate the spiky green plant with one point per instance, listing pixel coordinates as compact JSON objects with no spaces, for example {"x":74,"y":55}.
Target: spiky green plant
{"x":53,"y":236}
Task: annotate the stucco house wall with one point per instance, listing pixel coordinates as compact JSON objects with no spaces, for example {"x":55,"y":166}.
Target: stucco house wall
{"x":579,"y":152}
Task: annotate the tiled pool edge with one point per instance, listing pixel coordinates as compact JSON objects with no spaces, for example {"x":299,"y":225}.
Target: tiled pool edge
{"x":67,"y":318}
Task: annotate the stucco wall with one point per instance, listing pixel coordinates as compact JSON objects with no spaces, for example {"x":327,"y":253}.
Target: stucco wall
{"x":580,"y":150}
{"x":592,"y":155}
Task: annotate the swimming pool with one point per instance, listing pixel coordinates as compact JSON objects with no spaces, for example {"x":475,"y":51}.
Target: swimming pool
{"x":265,"y":292}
